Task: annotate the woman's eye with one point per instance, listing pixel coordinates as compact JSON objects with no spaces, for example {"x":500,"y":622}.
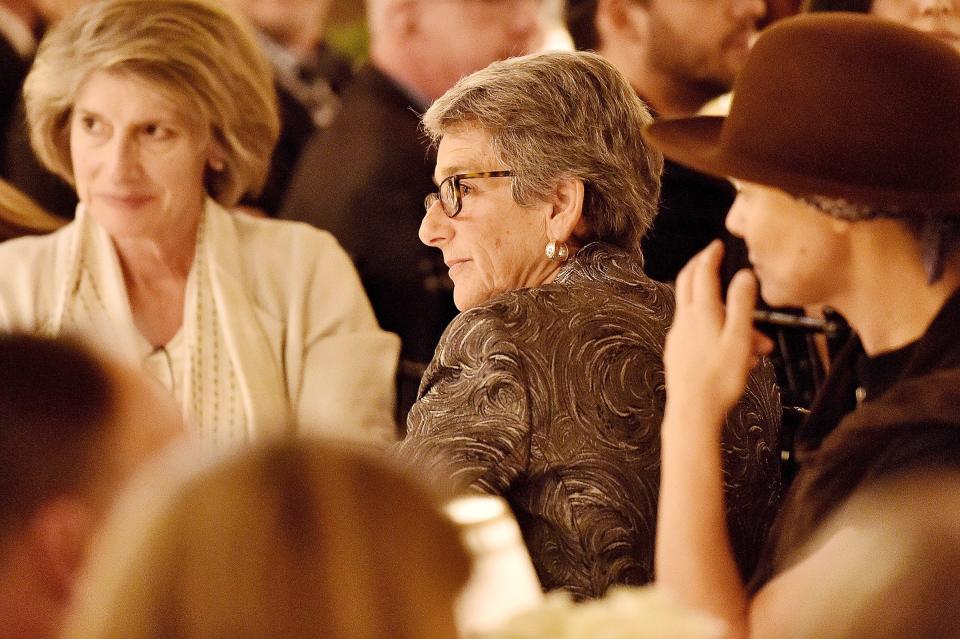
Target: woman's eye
{"x":90,"y":124}
{"x":465,"y":189}
{"x":158,"y":132}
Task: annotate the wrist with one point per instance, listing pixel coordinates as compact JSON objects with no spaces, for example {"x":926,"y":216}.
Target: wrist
{"x":695,"y":423}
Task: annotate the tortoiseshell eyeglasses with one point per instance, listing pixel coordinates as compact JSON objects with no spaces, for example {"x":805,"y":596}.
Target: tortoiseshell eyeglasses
{"x":450,"y":195}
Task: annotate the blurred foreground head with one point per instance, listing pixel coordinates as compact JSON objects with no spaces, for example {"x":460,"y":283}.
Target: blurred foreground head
{"x":890,"y":561}
{"x":73,"y":428}
{"x":293,"y":539}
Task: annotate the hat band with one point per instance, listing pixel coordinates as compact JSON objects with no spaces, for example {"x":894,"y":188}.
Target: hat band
{"x":844,"y":209}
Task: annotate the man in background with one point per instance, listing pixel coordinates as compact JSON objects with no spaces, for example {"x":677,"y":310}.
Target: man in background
{"x":365,"y":177}
{"x":73,"y":428}
{"x":308,"y":75}
{"x":678,"y":55}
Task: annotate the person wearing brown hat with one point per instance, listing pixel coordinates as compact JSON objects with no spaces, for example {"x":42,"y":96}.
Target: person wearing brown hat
{"x":844,"y":140}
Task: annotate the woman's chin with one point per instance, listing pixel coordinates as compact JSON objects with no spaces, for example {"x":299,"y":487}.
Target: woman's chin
{"x":464,"y":298}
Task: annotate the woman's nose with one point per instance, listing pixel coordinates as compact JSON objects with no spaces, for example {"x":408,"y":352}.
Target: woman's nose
{"x":734,"y":219}
{"x":434,"y":227}
{"x":124,"y":160}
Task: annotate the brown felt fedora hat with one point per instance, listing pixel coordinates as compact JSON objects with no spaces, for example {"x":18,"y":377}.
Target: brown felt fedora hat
{"x":837,"y":105}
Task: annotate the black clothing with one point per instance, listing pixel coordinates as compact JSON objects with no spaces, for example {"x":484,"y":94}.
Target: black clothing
{"x":23,"y":170}
{"x":693,"y":207}
{"x":297,"y":124}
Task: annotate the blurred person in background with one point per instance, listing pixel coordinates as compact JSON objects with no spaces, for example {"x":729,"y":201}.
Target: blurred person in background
{"x":364,"y":177}
{"x":162,"y":115}
{"x":844,"y":140}
{"x":678,"y":55}
{"x":308,"y":75}
{"x":547,"y":389}
{"x":75,"y":427}
{"x":939,"y":18}
{"x":295,"y":539}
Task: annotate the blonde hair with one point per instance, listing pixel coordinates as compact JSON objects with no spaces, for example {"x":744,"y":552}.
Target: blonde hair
{"x":559,"y":115}
{"x":197,"y":53}
{"x":20,"y":215}
{"x":294,"y":539}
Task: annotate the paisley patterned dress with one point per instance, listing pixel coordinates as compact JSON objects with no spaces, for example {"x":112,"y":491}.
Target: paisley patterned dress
{"x":552,"y":398}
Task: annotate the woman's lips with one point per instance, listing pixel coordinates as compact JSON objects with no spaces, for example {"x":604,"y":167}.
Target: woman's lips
{"x":455,"y":266}
{"x":125,"y":201}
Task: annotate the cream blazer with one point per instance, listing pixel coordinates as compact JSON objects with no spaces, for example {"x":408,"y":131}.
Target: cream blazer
{"x":281,"y":337}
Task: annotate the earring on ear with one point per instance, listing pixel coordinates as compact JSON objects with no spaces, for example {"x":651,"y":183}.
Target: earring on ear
{"x":557,"y":251}
{"x":216,"y":164}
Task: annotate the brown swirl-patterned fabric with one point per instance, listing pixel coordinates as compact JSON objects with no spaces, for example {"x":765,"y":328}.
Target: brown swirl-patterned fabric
{"x":552,"y":397}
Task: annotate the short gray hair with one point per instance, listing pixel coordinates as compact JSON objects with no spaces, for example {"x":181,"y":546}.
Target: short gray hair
{"x":195,"y":52}
{"x":561,"y":115}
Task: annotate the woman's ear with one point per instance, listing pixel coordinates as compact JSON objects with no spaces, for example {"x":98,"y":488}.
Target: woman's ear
{"x":566,"y":213}
{"x":216,"y":157}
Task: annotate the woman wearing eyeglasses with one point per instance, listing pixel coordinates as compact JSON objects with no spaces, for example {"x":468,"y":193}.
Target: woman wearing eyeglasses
{"x":548,"y":388}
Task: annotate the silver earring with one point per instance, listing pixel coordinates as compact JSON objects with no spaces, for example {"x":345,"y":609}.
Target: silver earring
{"x":557,"y":251}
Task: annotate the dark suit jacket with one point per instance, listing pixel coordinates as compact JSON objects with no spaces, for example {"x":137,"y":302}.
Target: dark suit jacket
{"x":552,"y":398}
{"x":693,"y":208}
{"x":364,"y":180}
{"x":296,"y":127}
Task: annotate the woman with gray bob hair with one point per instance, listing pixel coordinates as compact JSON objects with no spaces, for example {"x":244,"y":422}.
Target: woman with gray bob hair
{"x":161,"y":113}
{"x":548,"y":388}
{"x":580,"y":123}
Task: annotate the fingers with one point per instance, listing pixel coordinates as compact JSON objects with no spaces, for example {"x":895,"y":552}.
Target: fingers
{"x":742,"y":298}
{"x":698,"y":280}
{"x":762,"y":345}
{"x":706,"y":280}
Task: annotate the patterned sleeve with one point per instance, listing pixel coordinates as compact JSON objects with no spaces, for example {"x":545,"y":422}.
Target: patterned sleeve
{"x":751,"y":468}
{"x":471,"y":422}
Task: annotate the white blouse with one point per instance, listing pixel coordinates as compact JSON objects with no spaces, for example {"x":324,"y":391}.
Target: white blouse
{"x":278,"y":335}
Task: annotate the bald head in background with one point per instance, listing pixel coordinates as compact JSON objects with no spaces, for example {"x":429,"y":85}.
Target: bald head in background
{"x":365,"y":177}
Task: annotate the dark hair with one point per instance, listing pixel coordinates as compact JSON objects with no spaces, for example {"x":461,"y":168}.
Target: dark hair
{"x":855,"y":6}
{"x":55,"y":400}
{"x":581,"y":19}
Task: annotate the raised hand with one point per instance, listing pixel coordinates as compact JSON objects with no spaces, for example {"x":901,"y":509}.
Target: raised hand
{"x":711,"y":347}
